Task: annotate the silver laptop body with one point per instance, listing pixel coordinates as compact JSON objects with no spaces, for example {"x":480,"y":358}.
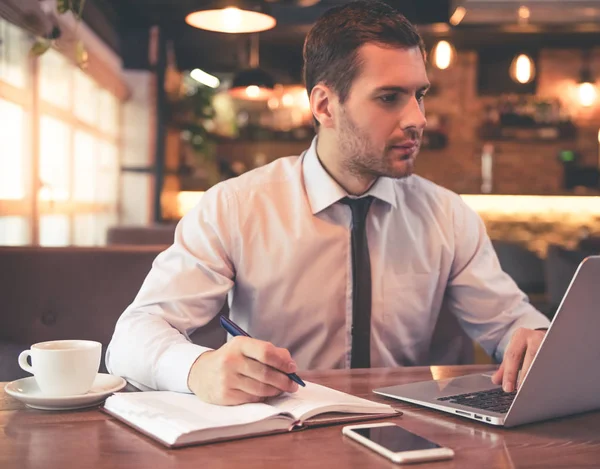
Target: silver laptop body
{"x":563,"y":379}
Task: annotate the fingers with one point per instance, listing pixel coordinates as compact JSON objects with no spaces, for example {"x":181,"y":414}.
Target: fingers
{"x":267,"y":375}
{"x":533,"y":346}
{"x":256,"y":388}
{"x":512,"y":360}
{"x":497,"y":376}
{"x":519,"y":355}
{"x":267,"y":353}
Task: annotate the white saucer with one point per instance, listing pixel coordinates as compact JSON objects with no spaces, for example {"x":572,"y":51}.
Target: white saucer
{"x":26,"y":390}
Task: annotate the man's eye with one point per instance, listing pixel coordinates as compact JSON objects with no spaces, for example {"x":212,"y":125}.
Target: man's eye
{"x":388,"y":98}
{"x":420,"y":97}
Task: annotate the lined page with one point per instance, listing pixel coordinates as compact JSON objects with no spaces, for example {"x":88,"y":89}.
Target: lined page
{"x":315,"y":399}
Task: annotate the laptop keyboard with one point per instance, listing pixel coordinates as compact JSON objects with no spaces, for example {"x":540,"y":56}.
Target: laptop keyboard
{"x":495,"y":400}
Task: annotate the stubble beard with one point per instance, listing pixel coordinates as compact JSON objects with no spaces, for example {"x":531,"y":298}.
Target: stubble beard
{"x":360,"y":157}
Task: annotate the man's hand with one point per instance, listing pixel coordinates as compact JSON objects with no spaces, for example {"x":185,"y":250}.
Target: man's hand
{"x":243,"y":370}
{"x":519,"y":354}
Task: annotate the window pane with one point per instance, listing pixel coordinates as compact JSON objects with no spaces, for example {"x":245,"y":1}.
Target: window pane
{"x":55,"y":79}
{"x":54,"y":159}
{"x":109,"y":112}
{"x":54,"y":230}
{"x":14,"y":53}
{"x":108,"y":174}
{"x":85,"y":174}
{"x":85,"y":98}
{"x":14,"y":231}
{"x":90,"y":229}
{"x":12,"y":154}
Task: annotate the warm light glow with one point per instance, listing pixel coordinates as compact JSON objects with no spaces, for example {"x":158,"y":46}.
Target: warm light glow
{"x":252,"y":91}
{"x":548,"y":206}
{"x":522,"y":69}
{"x":287,"y":100}
{"x":587,"y":94}
{"x":524,"y":14}
{"x":273,"y":103}
{"x":186,"y":200}
{"x":458,"y":16}
{"x":230,"y":20}
{"x":205,"y":78}
{"x":443,"y":55}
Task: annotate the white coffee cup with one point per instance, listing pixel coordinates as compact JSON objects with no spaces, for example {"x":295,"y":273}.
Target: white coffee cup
{"x":63,"y":367}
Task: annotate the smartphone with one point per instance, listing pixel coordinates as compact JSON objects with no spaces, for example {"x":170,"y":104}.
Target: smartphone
{"x":396,"y":443}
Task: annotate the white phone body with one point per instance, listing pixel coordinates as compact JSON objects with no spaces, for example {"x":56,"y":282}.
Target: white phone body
{"x":405,"y":456}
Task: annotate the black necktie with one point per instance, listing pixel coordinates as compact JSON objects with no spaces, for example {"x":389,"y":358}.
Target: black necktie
{"x":361,"y":284}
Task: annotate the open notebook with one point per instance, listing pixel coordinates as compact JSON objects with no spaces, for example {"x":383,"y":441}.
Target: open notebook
{"x":176,"y":419}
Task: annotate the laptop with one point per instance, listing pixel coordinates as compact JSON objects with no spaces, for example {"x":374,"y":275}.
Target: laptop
{"x":564,"y":377}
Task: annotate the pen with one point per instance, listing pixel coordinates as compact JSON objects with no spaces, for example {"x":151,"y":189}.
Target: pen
{"x":236,"y":330}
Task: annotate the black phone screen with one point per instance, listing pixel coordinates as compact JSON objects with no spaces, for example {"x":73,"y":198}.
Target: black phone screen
{"x":396,"y":439}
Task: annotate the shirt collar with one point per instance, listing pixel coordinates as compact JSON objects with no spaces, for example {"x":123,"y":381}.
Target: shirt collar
{"x":322,"y":190}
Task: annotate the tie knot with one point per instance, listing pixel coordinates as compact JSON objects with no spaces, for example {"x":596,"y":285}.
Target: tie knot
{"x":359,"y":207}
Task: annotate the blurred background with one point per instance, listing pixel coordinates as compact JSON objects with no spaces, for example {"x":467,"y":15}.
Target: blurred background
{"x":116,"y":116}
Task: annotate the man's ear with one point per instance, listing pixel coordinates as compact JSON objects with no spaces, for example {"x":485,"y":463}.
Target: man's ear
{"x":322,"y":102}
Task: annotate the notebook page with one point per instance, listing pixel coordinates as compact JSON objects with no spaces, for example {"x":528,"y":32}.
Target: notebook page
{"x":169,"y":414}
{"x":315,"y":399}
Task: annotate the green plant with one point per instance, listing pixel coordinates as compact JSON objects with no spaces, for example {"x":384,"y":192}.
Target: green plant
{"x":42,"y":44}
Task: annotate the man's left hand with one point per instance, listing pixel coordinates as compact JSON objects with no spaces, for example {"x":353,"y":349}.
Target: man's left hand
{"x":519,"y":354}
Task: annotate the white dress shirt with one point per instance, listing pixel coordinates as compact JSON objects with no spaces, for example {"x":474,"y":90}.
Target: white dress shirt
{"x":275,"y":242}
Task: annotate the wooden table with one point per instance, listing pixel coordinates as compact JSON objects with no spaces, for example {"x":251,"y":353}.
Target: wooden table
{"x":91,"y":439}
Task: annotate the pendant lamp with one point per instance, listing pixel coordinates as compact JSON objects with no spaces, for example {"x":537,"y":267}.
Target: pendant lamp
{"x":232,"y":16}
{"x":522,"y":69}
{"x":586,"y":89}
{"x":254,"y":83}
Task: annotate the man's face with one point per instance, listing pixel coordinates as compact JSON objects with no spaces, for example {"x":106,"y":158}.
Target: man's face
{"x":380,"y":125}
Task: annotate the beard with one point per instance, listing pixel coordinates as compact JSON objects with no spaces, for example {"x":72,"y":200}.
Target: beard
{"x":363,"y":159}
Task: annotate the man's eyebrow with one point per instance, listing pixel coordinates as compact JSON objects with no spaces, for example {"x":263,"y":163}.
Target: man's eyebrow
{"x":401,"y":89}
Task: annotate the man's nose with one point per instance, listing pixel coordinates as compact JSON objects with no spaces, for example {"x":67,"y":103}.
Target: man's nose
{"x":413,"y":115}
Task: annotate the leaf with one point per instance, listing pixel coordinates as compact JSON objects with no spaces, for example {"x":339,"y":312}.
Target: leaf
{"x":62,"y":6}
{"x":81,"y":55}
{"x":39,"y":47}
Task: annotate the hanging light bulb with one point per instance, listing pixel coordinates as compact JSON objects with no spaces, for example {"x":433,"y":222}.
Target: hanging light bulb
{"x":587,"y":94}
{"x":586,"y":89}
{"x":443,"y":55}
{"x":254,"y":83}
{"x":522,"y":69}
{"x":231,"y":19}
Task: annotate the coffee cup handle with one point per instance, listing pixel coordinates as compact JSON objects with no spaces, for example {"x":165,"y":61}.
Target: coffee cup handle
{"x":23,"y":356}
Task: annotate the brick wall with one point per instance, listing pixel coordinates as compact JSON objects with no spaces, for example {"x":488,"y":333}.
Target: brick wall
{"x":518,"y":168}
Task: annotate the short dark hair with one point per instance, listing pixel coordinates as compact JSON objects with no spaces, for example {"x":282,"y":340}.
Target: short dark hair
{"x":331,"y":47}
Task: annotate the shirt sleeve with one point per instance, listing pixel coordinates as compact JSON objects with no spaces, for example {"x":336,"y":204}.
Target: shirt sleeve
{"x":186,"y":287}
{"x":487,"y":302}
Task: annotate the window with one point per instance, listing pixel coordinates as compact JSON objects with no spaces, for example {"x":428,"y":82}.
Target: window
{"x":12,"y":151}
{"x":75,"y":158}
{"x":14,"y":48}
{"x":55,"y":139}
{"x":55,"y":81}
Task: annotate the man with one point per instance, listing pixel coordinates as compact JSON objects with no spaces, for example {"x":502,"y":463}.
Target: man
{"x":307,"y":246}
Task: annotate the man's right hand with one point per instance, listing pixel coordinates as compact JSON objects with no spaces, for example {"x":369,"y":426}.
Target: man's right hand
{"x":243,"y":370}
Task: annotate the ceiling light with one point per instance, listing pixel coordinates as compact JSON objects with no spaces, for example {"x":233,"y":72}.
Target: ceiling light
{"x":524,"y":15}
{"x":586,"y":89}
{"x":443,"y":55}
{"x":522,"y":69}
{"x":231,"y":19}
{"x":254,"y":83}
{"x":458,"y":16}
{"x":205,"y":78}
